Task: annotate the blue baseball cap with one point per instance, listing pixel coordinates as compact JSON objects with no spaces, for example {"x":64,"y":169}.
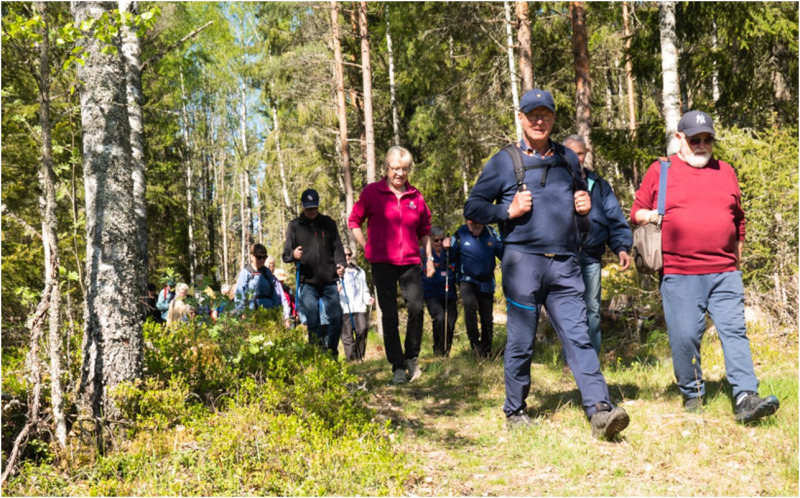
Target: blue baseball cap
{"x":310,"y":199}
{"x":695,"y":122}
{"x":536,"y":98}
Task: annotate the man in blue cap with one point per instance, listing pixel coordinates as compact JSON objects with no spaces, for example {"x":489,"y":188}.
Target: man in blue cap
{"x":313,"y":244}
{"x":702,"y":235}
{"x":534,"y":190}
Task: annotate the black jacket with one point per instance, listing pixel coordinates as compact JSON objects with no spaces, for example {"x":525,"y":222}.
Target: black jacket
{"x":322,"y":249}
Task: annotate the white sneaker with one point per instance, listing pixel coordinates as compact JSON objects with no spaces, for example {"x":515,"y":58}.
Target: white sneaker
{"x":414,"y":372}
{"x":399,"y":377}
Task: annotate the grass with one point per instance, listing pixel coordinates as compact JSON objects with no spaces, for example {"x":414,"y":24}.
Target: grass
{"x":452,"y":425}
{"x":445,"y":434}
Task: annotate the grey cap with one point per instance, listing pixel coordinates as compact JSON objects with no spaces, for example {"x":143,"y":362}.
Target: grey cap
{"x":695,"y":122}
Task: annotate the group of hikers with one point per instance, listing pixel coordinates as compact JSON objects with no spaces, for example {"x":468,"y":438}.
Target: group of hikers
{"x":555,"y":219}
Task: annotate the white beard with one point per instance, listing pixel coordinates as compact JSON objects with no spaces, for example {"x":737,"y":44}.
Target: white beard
{"x":697,"y":160}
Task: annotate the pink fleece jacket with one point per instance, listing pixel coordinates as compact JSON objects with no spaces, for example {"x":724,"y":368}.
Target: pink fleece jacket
{"x":395,"y":225}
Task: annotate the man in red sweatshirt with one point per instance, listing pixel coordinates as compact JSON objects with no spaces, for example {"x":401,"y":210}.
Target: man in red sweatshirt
{"x":703,"y":232}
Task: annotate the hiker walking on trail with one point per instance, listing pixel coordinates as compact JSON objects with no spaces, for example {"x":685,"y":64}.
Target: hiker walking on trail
{"x":475,"y":247}
{"x":399,"y":223}
{"x":288,"y":296}
{"x":609,"y":227}
{"x":255,"y":285}
{"x":702,"y":235}
{"x":313,"y":245}
{"x":440,"y":292}
{"x":534,"y":189}
{"x":354,"y":299}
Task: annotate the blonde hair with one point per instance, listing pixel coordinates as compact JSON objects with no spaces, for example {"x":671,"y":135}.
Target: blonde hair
{"x":400,"y":153}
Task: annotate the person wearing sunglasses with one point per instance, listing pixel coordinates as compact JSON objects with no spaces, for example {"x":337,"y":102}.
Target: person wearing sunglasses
{"x":539,"y":215}
{"x":314,"y":246}
{"x":439,"y":292}
{"x":255,"y":285}
{"x":702,"y":236}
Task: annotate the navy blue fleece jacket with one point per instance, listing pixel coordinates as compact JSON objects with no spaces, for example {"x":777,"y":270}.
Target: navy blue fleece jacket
{"x":609,"y":225}
{"x":551,"y":226}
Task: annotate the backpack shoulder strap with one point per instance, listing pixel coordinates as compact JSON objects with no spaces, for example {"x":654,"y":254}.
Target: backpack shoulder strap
{"x":516,"y":158}
{"x":662,"y":185}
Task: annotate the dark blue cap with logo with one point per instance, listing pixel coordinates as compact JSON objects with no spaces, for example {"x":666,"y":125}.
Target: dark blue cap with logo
{"x":695,"y":122}
{"x":536,"y":98}
{"x":310,"y":199}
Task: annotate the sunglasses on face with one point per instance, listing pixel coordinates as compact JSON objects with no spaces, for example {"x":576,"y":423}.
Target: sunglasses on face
{"x":259,"y":257}
{"x":438,"y":240}
{"x":696,"y":141}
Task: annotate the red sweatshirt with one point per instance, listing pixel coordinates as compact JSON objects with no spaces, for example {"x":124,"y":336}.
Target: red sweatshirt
{"x":703,"y":218}
{"x":395,"y":225}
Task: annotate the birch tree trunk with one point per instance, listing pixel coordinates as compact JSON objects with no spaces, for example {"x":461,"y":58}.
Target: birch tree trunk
{"x":714,"y":70}
{"x":113,"y":323}
{"x":524,"y":42}
{"x":629,"y":73}
{"x":669,"y":69}
{"x":244,"y":205}
{"x":583,"y":81}
{"x":512,"y":70}
{"x":392,"y":86}
{"x":366,"y":73}
{"x":132,"y":57}
{"x":47,"y":204}
{"x":189,"y":187}
{"x":281,"y":167}
{"x":341,"y":108}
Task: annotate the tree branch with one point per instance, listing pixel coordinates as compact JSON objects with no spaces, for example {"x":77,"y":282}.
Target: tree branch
{"x":174,"y":45}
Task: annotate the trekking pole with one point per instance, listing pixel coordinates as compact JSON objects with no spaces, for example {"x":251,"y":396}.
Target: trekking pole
{"x":446,"y":292}
{"x":352,"y":322}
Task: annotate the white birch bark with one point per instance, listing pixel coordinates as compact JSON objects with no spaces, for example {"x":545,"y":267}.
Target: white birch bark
{"x":669,"y":69}
{"x":512,"y":70}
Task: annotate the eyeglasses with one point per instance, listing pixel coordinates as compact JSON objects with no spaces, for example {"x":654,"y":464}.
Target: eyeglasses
{"x":348,"y":255}
{"x":257,"y":256}
{"x":535,"y":118}
{"x":399,"y":171}
{"x":438,"y":240}
{"x":696,"y":141}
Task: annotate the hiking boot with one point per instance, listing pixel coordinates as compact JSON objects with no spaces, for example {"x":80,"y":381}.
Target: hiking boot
{"x":399,"y":377}
{"x":414,"y":372}
{"x":519,"y":420}
{"x":608,"y":421}
{"x":749,"y":407}
{"x":693,"y":405}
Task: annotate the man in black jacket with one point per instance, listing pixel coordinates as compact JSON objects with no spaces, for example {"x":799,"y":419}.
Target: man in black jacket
{"x":313,"y":244}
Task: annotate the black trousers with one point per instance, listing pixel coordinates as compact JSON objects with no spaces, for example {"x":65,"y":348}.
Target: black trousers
{"x":476,"y":302}
{"x":386,"y":278}
{"x":436,"y":308}
{"x":355,"y":350}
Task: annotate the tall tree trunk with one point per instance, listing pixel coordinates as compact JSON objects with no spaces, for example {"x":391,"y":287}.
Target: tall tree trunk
{"x":113,"y":324}
{"x":524,"y":41}
{"x":47,"y":202}
{"x":714,"y":70}
{"x":366,"y":70}
{"x":287,"y":203}
{"x":512,"y":70}
{"x":341,"y":108}
{"x":132,"y":57}
{"x":244,"y":204}
{"x":189,"y":184}
{"x":629,"y":72}
{"x":669,"y":69}
{"x":583,"y":81}
{"x":392,"y":86}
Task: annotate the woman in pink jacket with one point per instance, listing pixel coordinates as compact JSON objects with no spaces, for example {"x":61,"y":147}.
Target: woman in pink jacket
{"x":399,"y":223}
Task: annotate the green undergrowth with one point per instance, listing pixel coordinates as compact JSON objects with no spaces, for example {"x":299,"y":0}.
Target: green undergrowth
{"x":240,"y":407}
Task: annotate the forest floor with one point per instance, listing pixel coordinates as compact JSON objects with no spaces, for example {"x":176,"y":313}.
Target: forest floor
{"x":453,"y":429}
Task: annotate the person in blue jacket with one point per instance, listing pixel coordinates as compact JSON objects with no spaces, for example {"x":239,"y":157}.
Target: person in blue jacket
{"x":439,"y":292}
{"x":541,"y":235}
{"x":475,"y":247}
{"x":255,"y":285}
{"x":165,"y":297}
{"x":609,"y":227}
